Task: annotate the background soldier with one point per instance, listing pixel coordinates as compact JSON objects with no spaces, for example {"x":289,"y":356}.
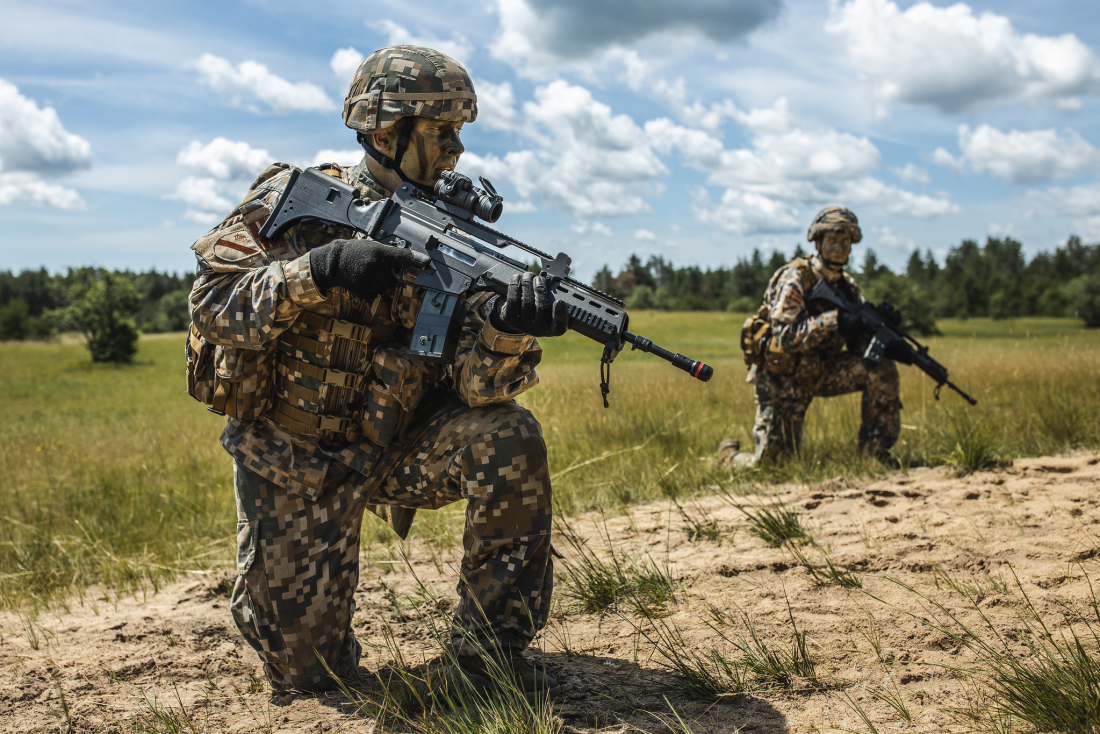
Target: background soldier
{"x":797,"y":354}
{"x":302,"y":340}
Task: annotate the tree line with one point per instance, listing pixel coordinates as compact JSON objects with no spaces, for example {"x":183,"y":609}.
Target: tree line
{"x":109,"y":307}
{"x":991,"y":280}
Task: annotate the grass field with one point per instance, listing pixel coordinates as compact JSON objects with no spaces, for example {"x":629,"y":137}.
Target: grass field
{"x":115,"y":475}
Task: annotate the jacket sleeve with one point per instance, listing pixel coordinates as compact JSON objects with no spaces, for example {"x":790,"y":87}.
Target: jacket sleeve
{"x":492,"y":366}
{"x":248,"y":293}
{"x":793,"y":328}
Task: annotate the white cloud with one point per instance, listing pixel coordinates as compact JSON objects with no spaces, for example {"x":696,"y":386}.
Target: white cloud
{"x":596,"y":228}
{"x":20,"y":186}
{"x":786,"y":168}
{"x":457,"y":47}
{"x":224,"y":159}
{"x":644,"y":235}
{"x":32,"y":138}
{"x":540,"y":37}
{"x":345,"y":62}
{"x":1080,"y":203}
{"x":349,"y":157}
{"x":33,"y":143}
{"x":888,"y":237}
{"x":496,"y":106}
{"x":585,"y":160}
{"x":205,"y":204}
{"x":251,"y":80}
{"x":952,"y":59}
{"x":1021,"y":156}
{"x":911,"y":173}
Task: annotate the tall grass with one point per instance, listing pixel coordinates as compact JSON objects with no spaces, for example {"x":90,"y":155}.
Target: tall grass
{"x":115,"y":475}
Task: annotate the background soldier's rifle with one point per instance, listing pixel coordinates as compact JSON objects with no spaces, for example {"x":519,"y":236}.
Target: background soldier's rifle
{"x":887,"y":338}
{"x":465,"y":258}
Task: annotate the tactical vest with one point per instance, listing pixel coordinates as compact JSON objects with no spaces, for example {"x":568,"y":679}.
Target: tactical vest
{"x":757,"y":346}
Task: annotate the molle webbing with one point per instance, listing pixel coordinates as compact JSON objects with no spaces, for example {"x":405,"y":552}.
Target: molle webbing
{"x":292,"y":368}
{"x":304,"y":423}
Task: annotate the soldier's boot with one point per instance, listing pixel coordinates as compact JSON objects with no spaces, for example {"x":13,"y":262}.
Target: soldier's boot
{"x":730,"y":454}
{"x":728,"y":449}
{"x":531,"y":680}
{"x":877,"y":451}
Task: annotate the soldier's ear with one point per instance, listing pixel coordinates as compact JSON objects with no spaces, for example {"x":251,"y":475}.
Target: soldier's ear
{"x":385,"y":141}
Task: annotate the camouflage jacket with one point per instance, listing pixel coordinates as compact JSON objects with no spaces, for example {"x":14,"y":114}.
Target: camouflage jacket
{"x":794,"y":329}
{"x":250,"y":291}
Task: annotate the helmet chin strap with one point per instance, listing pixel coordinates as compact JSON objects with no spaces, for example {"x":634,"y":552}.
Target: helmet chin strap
{"x":404,"y":127}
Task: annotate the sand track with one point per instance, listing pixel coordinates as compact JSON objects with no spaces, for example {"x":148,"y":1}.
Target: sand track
{"x":926,"y":529}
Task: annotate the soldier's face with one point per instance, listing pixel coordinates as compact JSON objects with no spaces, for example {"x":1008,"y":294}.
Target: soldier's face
{"x":434,"y":147}
{"x":836,"y":247}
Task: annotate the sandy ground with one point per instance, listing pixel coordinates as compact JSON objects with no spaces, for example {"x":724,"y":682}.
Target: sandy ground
{"x":926,"y":529}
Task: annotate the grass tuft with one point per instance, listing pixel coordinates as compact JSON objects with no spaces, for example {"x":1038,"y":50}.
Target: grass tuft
{"x":970,"y":444}
{"x":596,"y":585}
{"x":776,"y":526}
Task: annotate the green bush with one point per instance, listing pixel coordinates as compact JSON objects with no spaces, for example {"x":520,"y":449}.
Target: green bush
{"x":99,"y":304}
{"x":1088,"y":302}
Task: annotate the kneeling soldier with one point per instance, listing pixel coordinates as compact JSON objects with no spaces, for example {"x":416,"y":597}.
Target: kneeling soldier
{"x":302,"y":342}
{"x":797,"y":354}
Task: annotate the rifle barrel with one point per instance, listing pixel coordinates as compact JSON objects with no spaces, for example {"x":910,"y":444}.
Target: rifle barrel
{"x":698,"y":370}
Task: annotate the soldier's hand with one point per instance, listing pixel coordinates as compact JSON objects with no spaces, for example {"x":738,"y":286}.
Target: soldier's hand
{"x":847,"y":322}
{"x":364,"y":268}
{"x":529,"y":308}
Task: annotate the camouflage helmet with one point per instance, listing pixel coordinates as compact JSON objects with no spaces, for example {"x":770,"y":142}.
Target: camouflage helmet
{"x":834,"y":219}
{"x":403,"y":81}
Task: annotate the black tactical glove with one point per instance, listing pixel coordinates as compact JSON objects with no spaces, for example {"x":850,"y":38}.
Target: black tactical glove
{"x":847,"y":323}
{"x":529,"y":308}
{"x":364,"y":268}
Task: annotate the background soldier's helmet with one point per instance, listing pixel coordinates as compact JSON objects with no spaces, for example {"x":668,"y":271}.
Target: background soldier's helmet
{"x":835,"y":219}
{"x":400,"y":81}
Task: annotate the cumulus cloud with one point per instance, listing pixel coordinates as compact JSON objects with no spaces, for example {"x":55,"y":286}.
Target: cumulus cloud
{"x":346,"y":157}
{"x":205,"y":203}
{"x":457,"y":47}
{"x":22,"y":187}
{"x":1080,"y":203}
{"x":34,"y":143}
{"x":249,"y":81}
{"x":911,"y":173}
{"x":224,"y":159}
{"x":583,"y":159}
{"x":596,"y":228}
{"x":345,"y":62}
{"x":1016,"y":156}
{"x":954,"y":59}
{"x":644,"y":235}
{"x":496,"y":106}
{"x":539,"y":35}
{"x":786,"y":168}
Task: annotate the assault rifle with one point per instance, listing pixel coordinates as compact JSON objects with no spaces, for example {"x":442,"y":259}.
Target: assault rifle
{"x":465,"y":258}
{"x":887,"y":338}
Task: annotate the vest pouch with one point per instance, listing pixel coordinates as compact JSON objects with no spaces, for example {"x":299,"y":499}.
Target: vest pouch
{"x":243,"y":380}
{"x":779,"y":362}
{"x":199,"y":354}
{"x":399,"y":385}
{"x":755,"y":335}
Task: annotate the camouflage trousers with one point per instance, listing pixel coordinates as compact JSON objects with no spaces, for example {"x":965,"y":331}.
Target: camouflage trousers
{"x":298,"y":559}
{"x":781,"y":402}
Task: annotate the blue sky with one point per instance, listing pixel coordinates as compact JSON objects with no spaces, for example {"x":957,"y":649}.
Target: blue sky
{"x":695,"y":129}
